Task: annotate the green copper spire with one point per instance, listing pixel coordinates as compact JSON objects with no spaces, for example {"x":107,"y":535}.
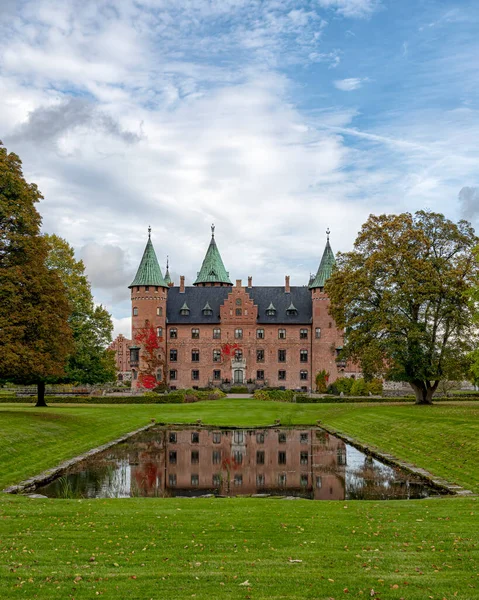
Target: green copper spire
{"x":149,"y":272}
{"x":325,"y":267}
{"x":213,"y":270}
{"x":167,"y":273}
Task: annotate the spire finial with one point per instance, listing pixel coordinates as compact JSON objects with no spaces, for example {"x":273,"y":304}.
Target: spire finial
{"x":167,"y":259}
{"x":328,"y":232}
{"x":149,"y":231}
{"x":213,"y":230}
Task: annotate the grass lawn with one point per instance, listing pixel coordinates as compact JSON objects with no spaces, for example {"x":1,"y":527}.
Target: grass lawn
{"x":207,"y":548}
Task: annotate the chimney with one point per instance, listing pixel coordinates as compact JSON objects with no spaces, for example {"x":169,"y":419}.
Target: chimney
{"x":250,"y":281}
{"x":287,"y":289}
{"x":238,"y":283}
{"x":182,"y":284}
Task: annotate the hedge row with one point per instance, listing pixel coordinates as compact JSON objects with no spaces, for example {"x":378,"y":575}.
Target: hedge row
{"x":175,"y":397}
{"x":158,"y":399}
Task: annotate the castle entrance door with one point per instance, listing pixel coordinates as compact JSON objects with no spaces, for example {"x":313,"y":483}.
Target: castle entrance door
{"x":238,"y":376}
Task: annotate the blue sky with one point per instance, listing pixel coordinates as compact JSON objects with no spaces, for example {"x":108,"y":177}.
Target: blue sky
{"x":273,"y":119}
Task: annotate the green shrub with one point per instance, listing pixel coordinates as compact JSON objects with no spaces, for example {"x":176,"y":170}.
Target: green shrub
{"x":375,"y":387}
{"x":341,"y":385}
{"x":239,"y":390}
{"x":161,"y":388}
{"x":359,"y":387}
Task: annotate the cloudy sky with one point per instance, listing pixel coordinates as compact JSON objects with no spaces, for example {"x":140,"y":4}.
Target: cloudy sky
{"x":274,"y":119}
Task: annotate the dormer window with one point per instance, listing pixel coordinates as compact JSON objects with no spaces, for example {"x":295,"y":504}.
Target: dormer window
{"x":291,"y":310}
{"x":271,"y":310}
{"x":184,"y":310}
{"x":207,"y":310}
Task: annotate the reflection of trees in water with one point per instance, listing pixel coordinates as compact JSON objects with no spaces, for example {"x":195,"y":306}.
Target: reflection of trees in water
{"x":374,"y":481}
{"x":106,"y":478}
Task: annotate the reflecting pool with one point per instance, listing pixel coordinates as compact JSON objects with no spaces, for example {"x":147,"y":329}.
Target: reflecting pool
{"x":294,"y":462}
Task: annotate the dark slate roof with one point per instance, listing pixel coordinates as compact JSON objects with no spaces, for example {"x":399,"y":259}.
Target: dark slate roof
{"x":299,"y":296}
{"x":197,"y":297}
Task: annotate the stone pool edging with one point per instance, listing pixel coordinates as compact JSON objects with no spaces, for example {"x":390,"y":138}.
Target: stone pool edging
{"x":438,"y":483}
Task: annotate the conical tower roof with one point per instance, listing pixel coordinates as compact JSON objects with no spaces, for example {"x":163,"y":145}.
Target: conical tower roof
{"x":325,"y":267}
{"x":213,"y":270}
{"x":149,"y":272}
{"x":167,"y":273}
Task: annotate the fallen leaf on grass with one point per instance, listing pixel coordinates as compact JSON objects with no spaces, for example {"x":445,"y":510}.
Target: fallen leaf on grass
{"x":295,"y":560}
{"x":245,"y":583}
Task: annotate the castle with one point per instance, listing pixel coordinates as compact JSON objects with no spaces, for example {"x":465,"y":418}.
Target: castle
{"x":215,"y":333}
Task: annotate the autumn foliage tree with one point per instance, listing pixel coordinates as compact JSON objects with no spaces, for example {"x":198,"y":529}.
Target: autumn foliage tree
{"x":35,"y":337}
{"x":403,"y":297}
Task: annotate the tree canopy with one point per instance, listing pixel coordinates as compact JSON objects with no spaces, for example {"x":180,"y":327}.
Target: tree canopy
{"x":90,"y":361}
{"x":35,"y":337}
{"x":403,"y":296}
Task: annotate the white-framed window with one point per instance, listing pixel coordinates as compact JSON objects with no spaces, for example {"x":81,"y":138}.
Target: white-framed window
{"x":281,"y":334}
{"x":238,"y":334}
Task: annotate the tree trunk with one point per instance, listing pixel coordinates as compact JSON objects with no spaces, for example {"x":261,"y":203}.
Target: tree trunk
{"x":41,"y":394}
{"x":424,"y":391}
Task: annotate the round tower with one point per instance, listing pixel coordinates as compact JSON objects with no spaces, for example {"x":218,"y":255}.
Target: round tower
{"x":327,"y":339}
{"x":148,"y":322}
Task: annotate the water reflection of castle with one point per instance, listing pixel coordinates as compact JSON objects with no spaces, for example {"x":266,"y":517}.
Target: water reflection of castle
{"x":301,"y":462}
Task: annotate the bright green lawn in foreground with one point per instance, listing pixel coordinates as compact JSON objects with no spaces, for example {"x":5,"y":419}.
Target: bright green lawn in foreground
{"x":206,"y":548}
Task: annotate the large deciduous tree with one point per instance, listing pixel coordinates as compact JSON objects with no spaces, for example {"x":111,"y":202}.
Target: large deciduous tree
{"x":90,"y":361}
{"x":403,"y":297}
{"x":35,"y":337}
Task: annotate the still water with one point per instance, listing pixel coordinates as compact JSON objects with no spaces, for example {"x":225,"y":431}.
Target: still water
{"x":165,"y":462}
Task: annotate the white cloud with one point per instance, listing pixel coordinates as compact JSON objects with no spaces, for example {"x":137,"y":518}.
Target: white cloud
{"x":351,"y":8}
{"x":349,"y":85}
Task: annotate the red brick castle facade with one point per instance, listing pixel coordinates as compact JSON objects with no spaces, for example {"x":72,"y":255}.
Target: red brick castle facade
{"x":215,"y":333}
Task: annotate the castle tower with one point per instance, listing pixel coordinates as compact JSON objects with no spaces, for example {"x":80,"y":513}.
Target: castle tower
{"x":327,"y":340}
{"x":148,"y":326}
{"x":212,"y":272}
